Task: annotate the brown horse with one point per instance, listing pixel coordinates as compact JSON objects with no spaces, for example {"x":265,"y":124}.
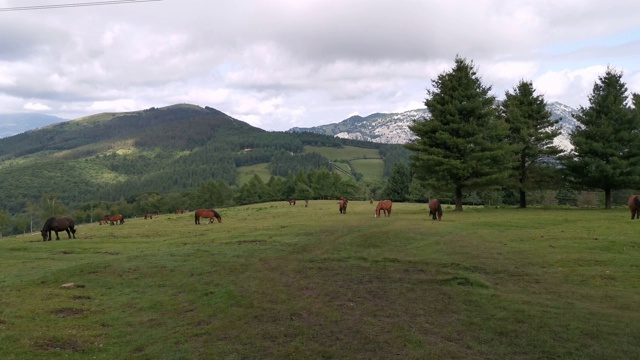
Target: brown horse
{"x":102,"y":222}
{"x":58,"y":224}
{"x":292,"y":202}
{"x":148,"y":216}
{"x":207,"y":213}
{"x":634,"y":206}
{"x":385,"y":206}
{"x":114,"y":219}
{"x":342,"y":205}
{"x":435,"y":209}
{"x":371,"y":201}
{"x":182,"y":211}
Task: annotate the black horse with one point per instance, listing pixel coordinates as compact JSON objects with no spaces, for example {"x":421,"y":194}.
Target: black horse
{"x":58,"y":224}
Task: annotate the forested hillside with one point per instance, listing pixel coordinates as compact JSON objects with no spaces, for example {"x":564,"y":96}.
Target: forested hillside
{"x":175,"y":150}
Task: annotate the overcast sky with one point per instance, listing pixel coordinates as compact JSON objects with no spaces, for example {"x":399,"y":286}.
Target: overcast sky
{"x":277,"y":64}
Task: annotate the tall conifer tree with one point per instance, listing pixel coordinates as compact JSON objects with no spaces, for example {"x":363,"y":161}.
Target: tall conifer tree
{"x":463,"y":143}
{"x":531,"y":132}
{"x":606,"y":152}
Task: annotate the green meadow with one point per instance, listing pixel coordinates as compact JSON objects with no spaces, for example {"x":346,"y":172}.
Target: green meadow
{"x":245,"y":173}
{"x":371,"y":169}
{"x":343,"y":153}
{"x":274,"y":281}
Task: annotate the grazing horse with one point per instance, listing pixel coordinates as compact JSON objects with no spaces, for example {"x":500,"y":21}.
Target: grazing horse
{"x":634,"y":206}
{"x":148,"y":216}
{"x":182,"y":211}
{"x":342,"y":205}
{"x":371,"y":201}
{"x":102,"y":222}
{"x":58,"y":224}
{"x":435,"y":208}
{"x":292,"y":202}
{"x":385,"y":206}
{"x":114,"y":219}
{"x":207,"y":213}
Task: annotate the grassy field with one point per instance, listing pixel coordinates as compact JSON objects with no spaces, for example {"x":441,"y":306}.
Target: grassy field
{"x":344,"y":153}
{"x":371,"y":169}
{"x":274,"y":281}
{"x":245,"y":173}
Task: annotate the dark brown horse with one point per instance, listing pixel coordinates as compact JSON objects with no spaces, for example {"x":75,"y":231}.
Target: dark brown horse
{"x":292,"y":202}
{"x":342,"y":205}
{"x":385,"y":206}
{"x":58,"y":224}
{"x":207,"y":213}
{"x":148,"y":216}
{"x":371,"y":201}
{"x":435,"y":209}
{"x":114,"y":219}
{"x":634,"y":206}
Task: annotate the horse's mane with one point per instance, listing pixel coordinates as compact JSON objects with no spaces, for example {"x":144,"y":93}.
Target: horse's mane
{"x":216,"y":214}
{"x":49,"y":221}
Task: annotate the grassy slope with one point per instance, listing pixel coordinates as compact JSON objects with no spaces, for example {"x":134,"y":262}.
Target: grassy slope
{"x":371,"y":169}
{"x":367,"y":160}
{"x":280,"y":281}
{"x":245,"y":173}
{"x":344,"y":153}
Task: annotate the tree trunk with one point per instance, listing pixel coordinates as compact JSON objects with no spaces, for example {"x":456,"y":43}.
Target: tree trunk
{"x":523,"y":199}
{"x":458,"y":199}
{"x":607,"y":198}
{"x":523,"y":180}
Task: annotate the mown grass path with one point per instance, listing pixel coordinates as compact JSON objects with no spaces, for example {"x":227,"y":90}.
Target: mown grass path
{"x":275,"y":281}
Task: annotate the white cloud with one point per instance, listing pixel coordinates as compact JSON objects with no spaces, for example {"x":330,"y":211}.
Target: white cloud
{"x":287,"y":63}
{"x":36,"y":107}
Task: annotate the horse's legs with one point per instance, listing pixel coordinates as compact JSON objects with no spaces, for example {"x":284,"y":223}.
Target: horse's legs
{"x":73,"y":231}
{"x":57,"y":237}
{"x":68,"y":232}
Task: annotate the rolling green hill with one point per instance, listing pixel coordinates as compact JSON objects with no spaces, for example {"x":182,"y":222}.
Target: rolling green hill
{"x":114,"y":156}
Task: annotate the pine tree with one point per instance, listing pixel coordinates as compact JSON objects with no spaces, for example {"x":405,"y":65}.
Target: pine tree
{"x":606,"y":152}
{"x":531,"y":134}
{"x":463,"y":144}
{"x":397,"y":187}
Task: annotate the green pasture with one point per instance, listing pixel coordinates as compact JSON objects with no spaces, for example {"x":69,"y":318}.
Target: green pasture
{"x":245,"y":173}
{"x":344,"y":153}
{"x":371,"y":169}
{"x":274,"y":281}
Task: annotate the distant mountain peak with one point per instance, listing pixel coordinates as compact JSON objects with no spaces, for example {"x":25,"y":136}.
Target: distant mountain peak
{"x":393,"y":128}
{"x":12,"y":124}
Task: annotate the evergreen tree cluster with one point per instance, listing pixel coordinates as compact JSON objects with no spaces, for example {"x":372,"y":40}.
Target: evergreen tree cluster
{"x":474,"y":144}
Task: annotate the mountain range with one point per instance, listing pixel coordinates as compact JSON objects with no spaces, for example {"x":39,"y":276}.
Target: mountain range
{"x":12,"y":124}
{"x":393,"y":128}
{"x":386,"y":128}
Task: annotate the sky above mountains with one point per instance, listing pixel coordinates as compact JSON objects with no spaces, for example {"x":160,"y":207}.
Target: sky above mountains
{"x":284,"y":63}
